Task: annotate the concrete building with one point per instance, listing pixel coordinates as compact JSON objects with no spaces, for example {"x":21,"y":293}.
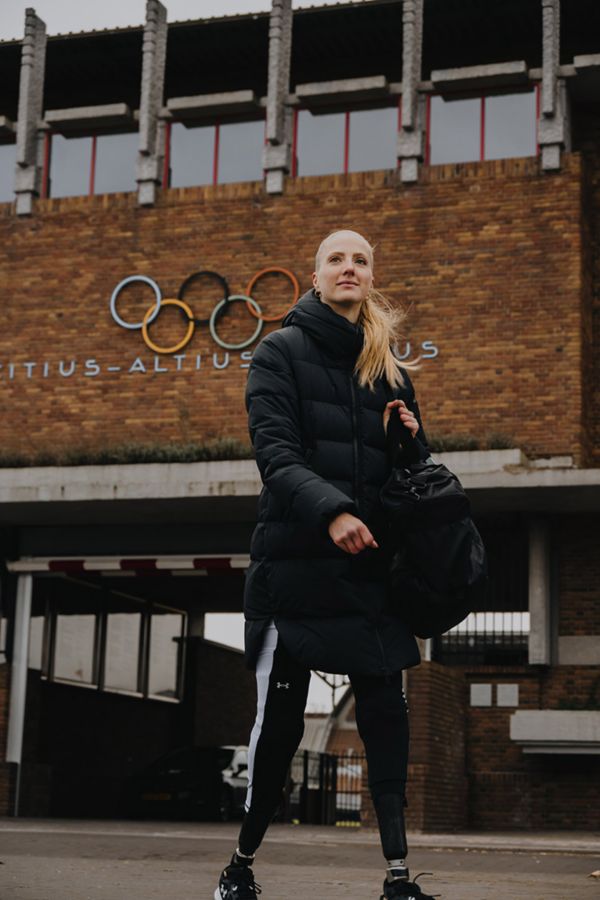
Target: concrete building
{"x":162,"y":192}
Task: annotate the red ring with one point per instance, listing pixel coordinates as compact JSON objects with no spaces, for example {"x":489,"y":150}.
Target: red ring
{"x":259,"y":275}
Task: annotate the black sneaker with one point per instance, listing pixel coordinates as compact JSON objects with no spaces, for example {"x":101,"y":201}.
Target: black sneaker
{"x":237,"y":883}
{"x":405,"y":890}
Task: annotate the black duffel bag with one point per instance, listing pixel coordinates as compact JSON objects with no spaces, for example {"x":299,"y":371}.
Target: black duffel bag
{"x":438,"y":568}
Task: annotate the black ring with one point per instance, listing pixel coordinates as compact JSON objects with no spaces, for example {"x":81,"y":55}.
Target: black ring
{"x":200,"y":274}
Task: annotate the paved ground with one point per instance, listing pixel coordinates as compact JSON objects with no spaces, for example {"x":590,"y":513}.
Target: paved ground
{"x":66,"y":860}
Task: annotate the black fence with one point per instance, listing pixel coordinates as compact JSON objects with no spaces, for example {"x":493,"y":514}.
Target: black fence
{"x":498,"y":632}
{"x":325,"y":789}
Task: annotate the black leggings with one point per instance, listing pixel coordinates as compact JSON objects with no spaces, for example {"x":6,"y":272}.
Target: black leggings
{"x":382,"y":720}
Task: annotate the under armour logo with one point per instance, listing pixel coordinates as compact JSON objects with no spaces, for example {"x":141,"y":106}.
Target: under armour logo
{"x":283,"y":684}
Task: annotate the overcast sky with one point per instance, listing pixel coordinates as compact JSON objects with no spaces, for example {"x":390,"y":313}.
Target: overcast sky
{"x":62,"y":16}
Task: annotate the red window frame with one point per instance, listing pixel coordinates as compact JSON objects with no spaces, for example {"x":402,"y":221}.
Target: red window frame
{"x":166,"y":174}
{"x":346,"y":157}
{"x":482,"y":120}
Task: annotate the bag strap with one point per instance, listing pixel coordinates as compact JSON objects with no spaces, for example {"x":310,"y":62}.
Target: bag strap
{"x":399,"y":440}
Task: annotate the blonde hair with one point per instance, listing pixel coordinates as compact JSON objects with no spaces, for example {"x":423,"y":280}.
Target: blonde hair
{"x":380,"y":320}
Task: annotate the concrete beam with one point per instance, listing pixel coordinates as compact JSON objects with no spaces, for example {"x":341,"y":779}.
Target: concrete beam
{"x":28,"y":177}
{"x":551,"y":55}
{"x":277,"y":152}
{"x":411,"y":140}
{"x":18,"y":674}
{"x":554,"y":125}
{"x":326,"y":93}
{"x":208,"y":105}
{"x":540,"y":606}
{"x":579,"y":650}
{"x":478,"y":78}
{"x":556,"y":730}
{"x":151,"y":148}
{"x":78,"y":118}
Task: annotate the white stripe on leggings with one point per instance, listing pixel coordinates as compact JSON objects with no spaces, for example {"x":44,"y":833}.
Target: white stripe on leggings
{"x":264,"y":667}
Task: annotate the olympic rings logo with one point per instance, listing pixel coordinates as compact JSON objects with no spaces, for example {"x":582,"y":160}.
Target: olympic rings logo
{"x":159,"y":302}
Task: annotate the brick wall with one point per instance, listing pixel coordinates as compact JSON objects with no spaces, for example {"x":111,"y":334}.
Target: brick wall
{"x":444,"y":248}
{"x":225,"y":704}
{"x":576,"y":542}
{"x":512,"y":789}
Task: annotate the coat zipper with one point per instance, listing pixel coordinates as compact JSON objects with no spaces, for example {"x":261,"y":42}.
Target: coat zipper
{"x":358,"y":493}
{"x":357,"y":490}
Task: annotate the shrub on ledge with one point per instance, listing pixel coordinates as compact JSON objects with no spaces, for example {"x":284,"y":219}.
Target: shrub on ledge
{"x":190,"y":451}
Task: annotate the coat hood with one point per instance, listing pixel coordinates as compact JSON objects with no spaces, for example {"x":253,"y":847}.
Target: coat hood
{"x":335,"y":335}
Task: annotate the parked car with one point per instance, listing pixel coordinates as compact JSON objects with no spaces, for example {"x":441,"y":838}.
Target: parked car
{"x":191,"y":783}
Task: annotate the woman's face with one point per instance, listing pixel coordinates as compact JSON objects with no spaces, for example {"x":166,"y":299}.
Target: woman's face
{"x":345,"y":269}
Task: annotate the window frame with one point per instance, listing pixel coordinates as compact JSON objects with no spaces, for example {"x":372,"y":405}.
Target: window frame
{"x":482,"y":124}
{"x":146,"y":608}
{"x":47,"y":163}
{"x":347,"y":125}
{"x":213,"y":123}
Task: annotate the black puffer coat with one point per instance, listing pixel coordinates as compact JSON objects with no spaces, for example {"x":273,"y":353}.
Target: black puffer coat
{"x":320,"y":448}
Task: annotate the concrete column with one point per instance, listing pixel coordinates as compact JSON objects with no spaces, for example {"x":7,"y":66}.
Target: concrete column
{"x":554,"y":128}
{"x":277,"y":152}
{"x":18,"y":677}
{"x":411,"y":138}
{"x":151,"y":146}
{"x":28,"y":175}
{"x":540,"y":597}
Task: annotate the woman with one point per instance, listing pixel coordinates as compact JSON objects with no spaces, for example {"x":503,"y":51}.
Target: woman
{"x":319,"y":396}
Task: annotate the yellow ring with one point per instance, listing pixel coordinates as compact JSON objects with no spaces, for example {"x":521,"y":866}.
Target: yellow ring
{"x":182,"y":343}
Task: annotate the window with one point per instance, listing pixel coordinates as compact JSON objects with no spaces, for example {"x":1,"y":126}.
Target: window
{"x":373,"y":136}
{"x":74,"y":641}
{"x":213,"y":154}
{"x":191,"y":155}
{"x":494,"y":127}
{"x":83,"y":634}
{"x":454,"y":130}
{"x":8,"y":155}
{"x":166,"y":632}
{"x":122,"y":646}
{"x":95,"y":164}
{"x":70,"y":166}
{"x":320,"y":143}
{"x":510,"y":128}
{"x":240,"y":151}
{"x":356,"y":141}
{"x":115,"y":163}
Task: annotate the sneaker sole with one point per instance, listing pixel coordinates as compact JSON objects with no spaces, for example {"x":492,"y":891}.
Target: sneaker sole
{"x":217,"y":895}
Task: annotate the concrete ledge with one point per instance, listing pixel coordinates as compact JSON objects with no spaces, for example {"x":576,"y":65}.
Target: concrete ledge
{"x":556,"y":730}
{"x":232,"y":478}
{"x":74,"y":119}
{"x":478,"y":470}
{"x":207,"y":105}
{"x":508,"y":74}
{"x":327,"y":93}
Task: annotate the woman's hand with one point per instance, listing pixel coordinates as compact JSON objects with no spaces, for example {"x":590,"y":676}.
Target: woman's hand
{"x":408,"y":417}
{"x":350,"y":534}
